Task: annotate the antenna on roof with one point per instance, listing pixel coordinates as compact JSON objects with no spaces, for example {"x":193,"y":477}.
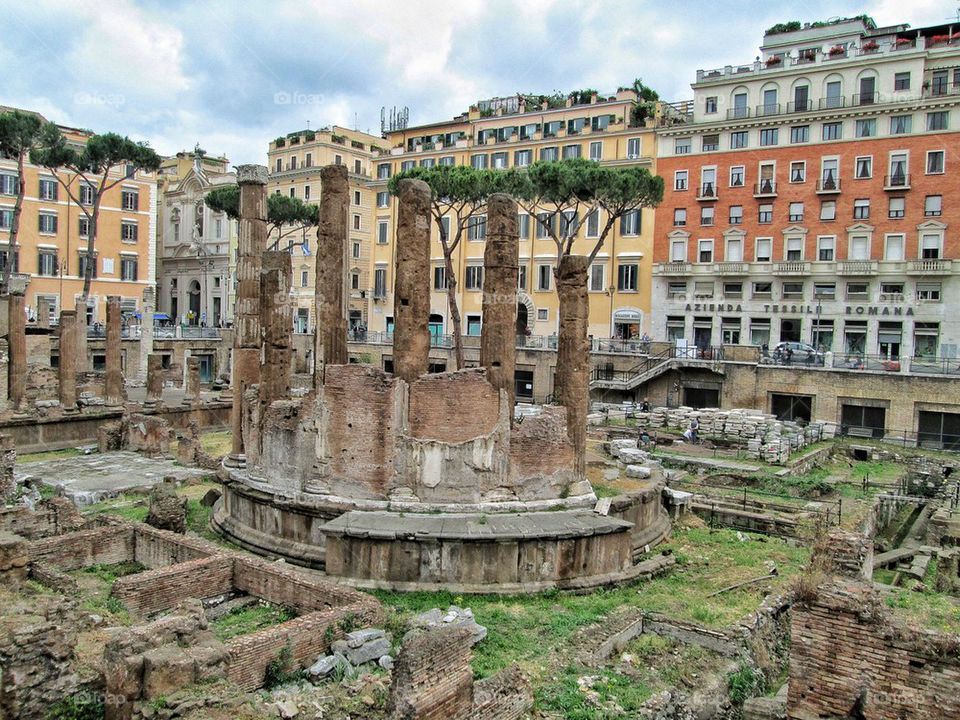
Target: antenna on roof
{"x":308,"y":124}
{"x":399,"y":118}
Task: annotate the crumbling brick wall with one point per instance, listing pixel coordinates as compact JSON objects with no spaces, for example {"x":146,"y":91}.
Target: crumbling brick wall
{"x":437,"y":402}
{"x":154,"y":590}
{"x":51,"y":517}
{"x":14,"y":560}
{"x":285,"y":586}
{"x":159,"y":548}
{"x":97,"y":546}
{"x":149,"y":434}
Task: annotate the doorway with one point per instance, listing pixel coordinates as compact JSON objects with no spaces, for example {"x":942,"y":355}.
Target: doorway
{"x":193,"y":295}
{"x":791,"y":407}
{"x":863,"y":420}
{"x":701,"y":397}
{"x":940,"y":430}
{"x":789,"y":330}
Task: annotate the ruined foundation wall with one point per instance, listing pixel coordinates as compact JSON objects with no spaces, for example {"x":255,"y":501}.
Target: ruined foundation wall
{"x":98,"y":546}
{"x":276,"y":323}
{"x":453,"y":407}
{"x":542,"y":457}
{"x":288,"y":444}
{"x":432,"y":678}
{"x":161,"y":589}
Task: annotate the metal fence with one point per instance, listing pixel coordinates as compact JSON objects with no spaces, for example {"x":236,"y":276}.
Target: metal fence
{"x":948,"y":442}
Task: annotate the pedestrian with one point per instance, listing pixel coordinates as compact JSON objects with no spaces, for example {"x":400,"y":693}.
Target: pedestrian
{"x":694,"y":427}
{"x":645,"y":406}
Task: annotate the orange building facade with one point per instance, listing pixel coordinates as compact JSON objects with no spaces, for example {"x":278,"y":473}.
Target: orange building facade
{"x":815,"y":197}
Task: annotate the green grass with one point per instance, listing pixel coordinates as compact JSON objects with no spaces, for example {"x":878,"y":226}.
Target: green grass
{"x":110,"y":573}
{"x":602,"y":491}
{"x":244,"y":621}
{"x":48,"y":455}
{"x":128,"y":506}
{"x":932,"y":610}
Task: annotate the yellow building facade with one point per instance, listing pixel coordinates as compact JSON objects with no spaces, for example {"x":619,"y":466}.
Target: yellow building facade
{"x":52,"y":240}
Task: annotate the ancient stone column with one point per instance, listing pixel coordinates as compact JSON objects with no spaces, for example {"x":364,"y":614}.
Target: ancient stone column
{"x":191,"y":382}
{"x":154,"y":380}
{"x":43,"y":313}
{"x":276,"y":323}
{"x":67,"y":369}
{"x":8,"y":458}
{"x":251,"y":243}
{"x":330,"y":306}
{"x":17,"y":369}
{"x":572,"y":382}
{"x":500,"y":266}
{"x":146,"y":330}
{"x":114,"y":381}
{"x":411,"y":294}
{"x":81,"y":356}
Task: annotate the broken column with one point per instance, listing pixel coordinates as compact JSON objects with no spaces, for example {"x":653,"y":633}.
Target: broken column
{"x":43,"y":313}
{"x":251,"y":243}
{"x":573,"y":352}
{"x":114,"y":380}
{"x":81,"y":356}
{"x":500,"y":267}
{"x":411,"y":295}
{"x":8,"y":458}
{"x":17,"y":368}
{"x":330,"y":343}
{"x":191,"y":383}
{"x":67,"y":368}
{"x":146,"y":331}
{"x":276,"y":323}
{"x":154,"y":380}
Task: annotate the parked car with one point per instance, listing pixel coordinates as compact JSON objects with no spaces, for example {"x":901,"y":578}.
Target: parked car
{"x":796,"y":353}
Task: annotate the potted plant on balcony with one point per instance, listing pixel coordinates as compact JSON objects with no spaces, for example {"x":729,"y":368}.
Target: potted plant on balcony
{"x":837,"y":50}
{"x":870,"y":46}
{"x":808,"y":56}
{"x":903,"y":43}
{"x":774,"y":60}
{"x":939,"y":39}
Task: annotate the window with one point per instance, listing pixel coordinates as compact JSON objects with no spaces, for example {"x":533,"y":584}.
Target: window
{"x":896,"y":209}
{"x":710,"y":105}
{"x":794,"y":248}
{"x":522,"y":278}
{"x":439,"y":277}
{"x":934,"y":162}
{"x":680,"y":180}
{"x":279,"y":164}
{"x":736,"y":214}
{"x":678,"y":250}
{"x":826,"y":247}
{"x":930,"y":246}
{"x":762,"y":289}
{"x":306,"y":195}
{"x":630,"y":223}
{"x":85,"y":262}
{"x":857,"y":290}
{"x":706,"y":215}
{"x":354,"y":285}
{"x":593,"y":223}
{"x":710,"y":143}
{"x":633,"y":148}
{"x":928,"y":292}
{"x":740,"y":109}
{"x":798,"y":171}
{"x":474,"y":277}
{"x":738,"y":140}
{"x":293,"y":192}
{"x":523,"y":225}
{"x":356,"y":197}
{"x":768,"y":136}
{"x":383,"y":171}
{"x":548,"y":154}
{"x":355,"y":250}
{"x":677,"y":290}
{"x":128,"y":268}
{"x":832,"y":131}
{"x":939,"y":83}
{"x":356,"y":222}
{"x":84,"y":228}
{"x":893,"y":249}
{"x":130,"y":199}
{"x":708,"y":182}
{"x":4,"y":256}
{"x":382,"y":232}
{"x":829,"y":172}
{"x":733,"y":250}
{"x":764,"y":249}
{"x":47,"y":262}
{"x":596,"y":151}
{"x":681,"y":146}
{"x":429,"y":162}
{"x":9,"y":184}
{"x":792,"y":290}
{"x":937,"y":120}
{"x":48,"y":190}
{"x":866,"y":128}
{"x":800,"y":134}
{"x":476,"y":227}
{"x":86,"y":194}
{"x":544,"y":273}
{"x":736,"y":176}
{"x":383,"y":199}
{"x":828,"y":210}
{"x":404,"y":166}
{"x":6,"y":218}
{"x":859,"y":247}
{"x":546,"y":225}
{"x":522,"y":158}
{"x":380,"y":282}
{"x":478,"y":162}
{"x":450,"y":161}
{"x":933,"y":205}
{"x":861,"y":209}
{"x":680,"y":217}
{"x":898,"y":169}
{"x":796,"y":212}
{"x":575,"y":126}
{"x":705,"y":251}
{"x":601,"y":122}
{"x":48,"y":223}
{"x":627,"y":277}
{"x":864,"y":167}
{"x":596,"y":278}
{"x":826,"y":290}
{"x":896,"y":289}
{"x":901,"y":81}
{"x":445,"y":226}
{"x":703,"y":289}
{"x":128,"y":232}
{"x":304,"y":278}
{"x":550,"y":129}
{"x":901,"y":124}
{"x":765,"y":213}
{"x":570,"y":223}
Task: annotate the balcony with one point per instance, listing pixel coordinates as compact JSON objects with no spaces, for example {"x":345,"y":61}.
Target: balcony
{"x":860,"y":99}
{"x":676,"y":267}
{"x":738,"y":113}
{"x":707,"y":191}
{"x":803,"y":106}
{"x":898,"y":181}
{"x":942,"y":90}
{"x":832,"y":103}
{"x":768,"y":109}
{"x":828,"y":185}
{"x":929,"y":266}
{"x":765,"y":188}
{"x":731,"y":268}
{"x":791,"y":267}
{"x":856,"y":268}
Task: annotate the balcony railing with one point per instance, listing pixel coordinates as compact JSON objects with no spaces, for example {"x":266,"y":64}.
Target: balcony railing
{"x":828,"y":185}
{"x":731,"y":268}
{"x":803,"y":106}
{"x":856,"y":267}
{"x":768,"y":109}
{"x":832,"y":103}
{"x":707,"y":191}
{"x":899,"y":181}
{"x":676,"y":267}
{"x":738,"y":113}
{"x":791,"y":267}
{"x":866,"y":98}
{"x":765,"y":188}
{"x":928,"y":266}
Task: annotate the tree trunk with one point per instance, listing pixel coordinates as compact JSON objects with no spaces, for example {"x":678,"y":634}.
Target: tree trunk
{"x":91,"y":259}
{"x":14,"y":226}
{"x":454,"y":310}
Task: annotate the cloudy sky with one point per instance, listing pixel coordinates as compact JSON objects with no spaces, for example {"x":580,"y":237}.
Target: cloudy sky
{"x":234,"y":75}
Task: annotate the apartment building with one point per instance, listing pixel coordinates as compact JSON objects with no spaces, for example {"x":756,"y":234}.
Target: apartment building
{"x":815,"y":196}
{"x":515,"y":132}
{"x":195,"y":246}
{"x":294,"y":162}
{"x":51,"y":249}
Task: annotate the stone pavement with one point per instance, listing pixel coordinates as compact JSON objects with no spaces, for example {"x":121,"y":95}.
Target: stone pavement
{"x":87,"y":479}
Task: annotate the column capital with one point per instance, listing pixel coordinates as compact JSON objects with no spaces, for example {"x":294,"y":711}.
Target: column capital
{"x":251,"y":174}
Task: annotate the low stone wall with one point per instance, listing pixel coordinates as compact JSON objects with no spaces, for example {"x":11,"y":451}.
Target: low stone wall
{"x":97,"y":546}
{"x":159,"y":548}
{"x":155,"y":590}
{"x":14,"y":560}
{"x":285,"y":586}
{"x":50,"y":517}
{"x":644,"y":508}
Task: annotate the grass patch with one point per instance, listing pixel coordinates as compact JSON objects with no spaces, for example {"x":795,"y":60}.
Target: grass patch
{"x":244,"y":621}
{"x":217,"y":443}
{"x":110,"y":573}
{"x":602,"y":491}
{"x":932,"y":610}
{"x":48,"y":455}
{"x":128,"y":506}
